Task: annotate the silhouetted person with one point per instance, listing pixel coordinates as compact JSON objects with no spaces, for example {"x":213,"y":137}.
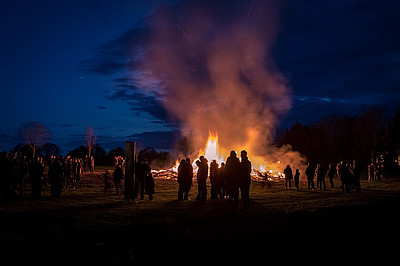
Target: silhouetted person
{"x":222,"y":192}
{"x":379,"y":172}
{"x":331,"y":174}
{"x":350,"y":176}
{"x":245,"y":179}
{"x":188,"y":179}
{"x":117,"y":175}
{"x":55,"y":178}
{"x":185,"y":179}
{"x":320,"y":175}
{"x":149,"y":185}
{"x":297,"y":179}
{"x":202,"y":174}
{"x":35,"y":174}
{"x":310,"y":176}
{"x":371,"y":172}
{"x":288,"y":177}
{"x":181,"y":174}
{"x":232,"y":173}
{"x":345,"y":176}
{"x":142,"y":170}
{"x":213,"y":179}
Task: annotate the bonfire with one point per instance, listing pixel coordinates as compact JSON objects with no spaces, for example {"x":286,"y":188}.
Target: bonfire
{"x":211,"y":152}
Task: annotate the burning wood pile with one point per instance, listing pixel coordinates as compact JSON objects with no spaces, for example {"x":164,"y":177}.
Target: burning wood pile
{"x":212,"y":152}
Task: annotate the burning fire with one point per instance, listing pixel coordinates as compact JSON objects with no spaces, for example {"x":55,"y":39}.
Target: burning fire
{"x":212,"y":151}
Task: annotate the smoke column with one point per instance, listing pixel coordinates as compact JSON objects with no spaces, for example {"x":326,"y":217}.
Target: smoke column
{"x":212,"y":66}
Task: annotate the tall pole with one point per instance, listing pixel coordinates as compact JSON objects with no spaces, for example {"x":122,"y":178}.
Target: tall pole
{"x":130,"y":179}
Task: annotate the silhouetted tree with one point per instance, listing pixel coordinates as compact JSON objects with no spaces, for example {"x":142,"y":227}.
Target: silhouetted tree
{"x":79,"y":152}
{"x":49,"y":149}
{"x":90,"y":138}
{"x":113,"y":153}
{"x":34,"y":134}
{"x":369,"y":132}
{"x":156,"y":159}
{"x":99,"y":154}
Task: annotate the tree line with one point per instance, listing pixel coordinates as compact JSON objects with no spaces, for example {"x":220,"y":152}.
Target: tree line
{"x":373,"y":135}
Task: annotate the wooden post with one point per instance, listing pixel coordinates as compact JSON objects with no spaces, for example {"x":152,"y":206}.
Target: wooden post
{"x":130,"y":179}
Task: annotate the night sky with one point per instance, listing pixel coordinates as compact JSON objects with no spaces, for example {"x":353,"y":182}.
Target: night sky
{"x":68,"y":65}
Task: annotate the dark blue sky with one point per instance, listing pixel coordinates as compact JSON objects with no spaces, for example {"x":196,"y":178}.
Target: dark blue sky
{"x":65,"y":64}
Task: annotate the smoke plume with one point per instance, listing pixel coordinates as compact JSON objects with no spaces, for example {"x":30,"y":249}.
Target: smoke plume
{"x":211,"y":63}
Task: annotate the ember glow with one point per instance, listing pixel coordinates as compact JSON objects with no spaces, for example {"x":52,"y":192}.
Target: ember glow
{"x":212,"y":151}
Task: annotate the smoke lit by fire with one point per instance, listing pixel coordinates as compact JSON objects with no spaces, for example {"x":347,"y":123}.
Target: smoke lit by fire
{"x":214,"y":72}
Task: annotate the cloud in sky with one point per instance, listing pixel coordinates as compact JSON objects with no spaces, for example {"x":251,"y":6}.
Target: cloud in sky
{"x":347,"y":51}
{"x":344,"y":51}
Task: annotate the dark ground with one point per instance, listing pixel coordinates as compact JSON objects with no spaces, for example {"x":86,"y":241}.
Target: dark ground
{"x":87,"y":226}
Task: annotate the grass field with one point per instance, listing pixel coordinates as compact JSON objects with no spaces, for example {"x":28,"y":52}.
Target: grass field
{"x":87,"y":225}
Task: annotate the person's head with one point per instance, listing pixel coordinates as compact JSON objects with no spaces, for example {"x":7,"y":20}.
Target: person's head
{"x":243,"y":154}
{"x":188,"y":160}
{"x":233,"y":153}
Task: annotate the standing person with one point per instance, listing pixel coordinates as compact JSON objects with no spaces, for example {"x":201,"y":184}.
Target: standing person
{"x":118,"y":175}
{"x":320,"y":174}
{"x":188,"y":179}
{"x":245,"y":179}
{"x":91,"y":164}
{"x":35,"y":174}
{"x":343,"y":173}
{"x":371,"y":172}
{"x":310,"y":176}
{"x":78,"y":170}
{"x":55,"y":178}
{"x":46,"y":166}
{"x":185,"y":179}
{"x":331,"y":174}
{"x":149,"y":185}
{"x":69,"y":178}
{"x":232,"y":173}
{"x":213,"y":179}
{"x":181,"y":178}
{"x":297,"y":179}
{"x":222,"y":191}
{"x":202,"y":174}
{"x":288,"y":176}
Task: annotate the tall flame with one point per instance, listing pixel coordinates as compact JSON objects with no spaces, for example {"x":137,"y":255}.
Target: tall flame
{"x":212,"y":151}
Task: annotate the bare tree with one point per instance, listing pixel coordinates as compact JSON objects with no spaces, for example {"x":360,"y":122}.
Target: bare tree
{"x":90,"y":137}
{"x":34,"y":134}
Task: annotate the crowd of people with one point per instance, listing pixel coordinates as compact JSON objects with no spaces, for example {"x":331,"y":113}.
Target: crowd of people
{"x":58,"y":172}
{"x":226,"y":179}
{"x":349,"y":175}
{"x":144,"y":181}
